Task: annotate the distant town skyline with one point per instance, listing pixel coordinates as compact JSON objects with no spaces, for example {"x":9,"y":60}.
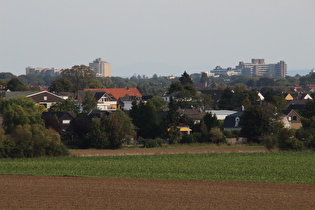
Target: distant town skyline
{"x":155,"y":37}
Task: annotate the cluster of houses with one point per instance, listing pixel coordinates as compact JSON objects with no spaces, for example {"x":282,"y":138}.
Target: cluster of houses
{"x":121,"y":98}
{"x":107,"y":100}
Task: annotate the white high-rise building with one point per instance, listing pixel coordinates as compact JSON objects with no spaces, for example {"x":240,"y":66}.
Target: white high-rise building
{"x":101,"y":68}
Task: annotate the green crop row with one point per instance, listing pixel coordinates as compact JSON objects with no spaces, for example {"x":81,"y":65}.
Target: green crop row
{"x":288,"y":167}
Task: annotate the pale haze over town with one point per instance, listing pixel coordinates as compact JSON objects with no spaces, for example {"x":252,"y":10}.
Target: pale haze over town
{"x":163,"y":37}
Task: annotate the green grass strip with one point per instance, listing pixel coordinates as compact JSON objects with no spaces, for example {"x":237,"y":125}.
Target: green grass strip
{"x":287,"y":167}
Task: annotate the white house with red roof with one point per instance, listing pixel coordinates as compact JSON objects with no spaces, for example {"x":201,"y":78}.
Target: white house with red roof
{"x":110,"y":97}
{"x":118,"y":92}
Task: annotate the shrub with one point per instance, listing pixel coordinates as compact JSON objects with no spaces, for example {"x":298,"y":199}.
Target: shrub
{"x":152,"y":143}
{"x":217,"y":136}
{"x":31,"y":141}
{"x":187,"y":139}
{"x":270,"y":141}
{"x":288,"y":141}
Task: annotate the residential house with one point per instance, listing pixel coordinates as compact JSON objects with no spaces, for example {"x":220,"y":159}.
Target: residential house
{"x":232,"y":122}
{"x":299,"y":102}
{"x":291,"y":119}
{"x":119,"y":92}
{"x":104,"y":100}
{"x":126,"y":102}
{"x":215,"y":96}
{"x":111,"y":97}
{"x":44,"y":98}
{"x":184,"y":129}
{"x":305,"y":97}
{"x":288,"y":97}
{"x":221,"y":114}
{"x":60,"y":121}
{"x":195,"y":114}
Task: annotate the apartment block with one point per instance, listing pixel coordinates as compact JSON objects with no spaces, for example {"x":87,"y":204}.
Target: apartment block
{"x":101,"y":68}
{"x":42,"y":71}
{"x":257,"y":67}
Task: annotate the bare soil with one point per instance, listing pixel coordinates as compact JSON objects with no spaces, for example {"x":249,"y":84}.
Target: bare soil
{"x":41,"y":192}
{"x":148,"y":151}
{"x":45,"y":192}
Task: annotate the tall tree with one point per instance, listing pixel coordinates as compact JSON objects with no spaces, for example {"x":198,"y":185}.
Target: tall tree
{"x":185,"y":79}
{"x":226,"y":101}
{"x":204,"y":78}
{"x":61,"y":84}
{"x":258,"y":120}
{"x":118,"y":127}
{"x":89,"y":102}
{"x":80,"y":76}
{"x":97,"y":136}
{"x":211,"y":121}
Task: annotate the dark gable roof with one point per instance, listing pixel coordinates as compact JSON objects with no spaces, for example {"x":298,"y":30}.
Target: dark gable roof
{"x":98,"y":114}
{"x":12,"y":94}
{"x":50,"y":97}
{"x":59,"y":114}
{"x":230,"y":120}
{"x":145,"y":98}
{"x":215,"y":94}
{"x":98,"y":95}
{"x":288,"y":111}
{"x":128,"y":98}
{"x":194,"y":114}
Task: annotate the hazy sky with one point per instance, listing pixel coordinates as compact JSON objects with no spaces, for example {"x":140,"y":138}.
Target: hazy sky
{"x":192,"y":35}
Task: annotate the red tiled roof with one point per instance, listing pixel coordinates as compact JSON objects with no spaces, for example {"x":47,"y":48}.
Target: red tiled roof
{"x":119,"y":92}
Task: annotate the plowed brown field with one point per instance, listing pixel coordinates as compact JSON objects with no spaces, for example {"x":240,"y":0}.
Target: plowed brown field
{"x":44,"y":192}
{"x":40,"y":192}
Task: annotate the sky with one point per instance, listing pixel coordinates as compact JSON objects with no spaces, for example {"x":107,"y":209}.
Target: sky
{"x":163,"y":37}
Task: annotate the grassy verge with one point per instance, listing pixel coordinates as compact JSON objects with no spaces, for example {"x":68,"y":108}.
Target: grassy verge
{"x":288,"y":167}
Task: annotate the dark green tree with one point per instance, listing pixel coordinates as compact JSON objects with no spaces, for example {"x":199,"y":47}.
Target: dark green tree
{"x":204,"y":78}
{"x":64,"y":106}
{"x":80,"y":76}
{"x":61,"y":84}
{"x":16,"y":85}
{"x":19,"y":111}
{"x":227,"y":99}
{"x":210,"y":120}
{"x":97,"y":136}
{"x":257,"y":121}
{"x":265,"y":82}
{"x":118,"y":127}
{"x":185,"y":79}
{"x":309,"y":109}
{"x":89,"y":103}
{"x":158,"y":103}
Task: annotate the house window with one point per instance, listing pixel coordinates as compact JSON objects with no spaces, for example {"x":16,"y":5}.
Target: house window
{"x":66,"y":122}
{"x":45,"y":98}
{"x":294,"y":118}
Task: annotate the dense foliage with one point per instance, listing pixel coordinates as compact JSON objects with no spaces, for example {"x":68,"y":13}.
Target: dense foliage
{"x":107,"y":132}
{"x":23,"y":133}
